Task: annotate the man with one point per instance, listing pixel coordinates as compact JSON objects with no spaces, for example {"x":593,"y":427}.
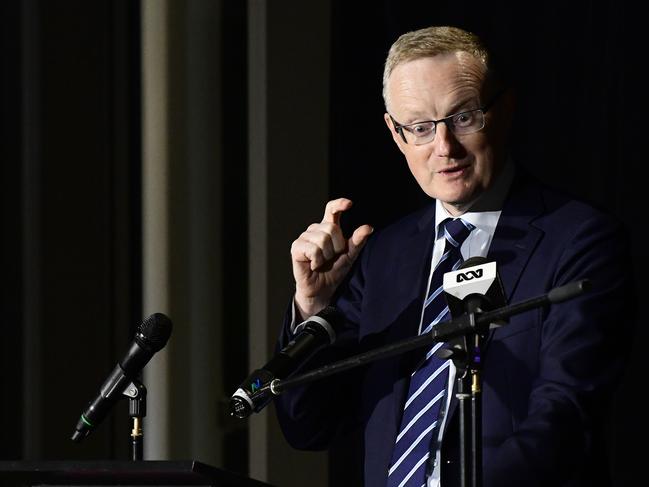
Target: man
{"x":548,"y":374}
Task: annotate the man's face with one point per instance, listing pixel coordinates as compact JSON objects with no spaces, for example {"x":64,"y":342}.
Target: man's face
{"x":455,"y":169}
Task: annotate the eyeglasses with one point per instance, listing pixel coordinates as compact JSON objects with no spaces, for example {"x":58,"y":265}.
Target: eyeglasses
{"x":462,"y":123}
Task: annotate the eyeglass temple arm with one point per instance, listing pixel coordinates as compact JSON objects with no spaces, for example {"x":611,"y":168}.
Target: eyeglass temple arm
{"x":493,"y":100}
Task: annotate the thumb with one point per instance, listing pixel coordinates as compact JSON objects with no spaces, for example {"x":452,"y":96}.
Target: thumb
{"x":357,"y":241}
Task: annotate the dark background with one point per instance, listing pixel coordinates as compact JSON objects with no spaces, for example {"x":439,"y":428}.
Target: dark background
{"x":70,"y":145}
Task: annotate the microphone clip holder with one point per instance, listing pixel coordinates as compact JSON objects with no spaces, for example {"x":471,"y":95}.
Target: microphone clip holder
{"x":136,"y":393}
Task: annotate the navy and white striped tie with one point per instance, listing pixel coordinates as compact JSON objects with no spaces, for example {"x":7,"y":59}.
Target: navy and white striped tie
{"x":428,"y":383}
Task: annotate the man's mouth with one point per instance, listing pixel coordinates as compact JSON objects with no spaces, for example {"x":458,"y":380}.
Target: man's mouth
{"x":450,"y":171}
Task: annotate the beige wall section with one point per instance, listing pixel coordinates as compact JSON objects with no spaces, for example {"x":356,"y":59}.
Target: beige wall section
{"x":288,"y":66}
{"x":155,"y":220}
{"x":182,"y":223}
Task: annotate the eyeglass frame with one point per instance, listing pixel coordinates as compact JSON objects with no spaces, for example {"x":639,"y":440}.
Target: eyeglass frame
{"x":398,"y":127}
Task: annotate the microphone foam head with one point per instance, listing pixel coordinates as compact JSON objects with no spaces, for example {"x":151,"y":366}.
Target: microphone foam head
{"x":154,"y":332}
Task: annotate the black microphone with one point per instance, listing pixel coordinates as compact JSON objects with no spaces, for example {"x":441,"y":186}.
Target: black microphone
{"x":311,"y":335}
{"x":474,"y":286}
{"x":151,"y":337}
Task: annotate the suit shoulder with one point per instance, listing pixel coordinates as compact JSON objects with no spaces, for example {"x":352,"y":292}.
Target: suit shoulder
{"x":566,"y":210}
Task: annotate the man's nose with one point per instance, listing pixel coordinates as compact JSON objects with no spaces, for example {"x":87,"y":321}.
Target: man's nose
{"x":444,"y":142}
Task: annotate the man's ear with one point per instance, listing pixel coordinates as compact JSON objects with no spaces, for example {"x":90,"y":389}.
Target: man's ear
{"x":395,"y":135}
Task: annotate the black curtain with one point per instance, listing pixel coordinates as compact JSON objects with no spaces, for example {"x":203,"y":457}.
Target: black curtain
{"x":10,"y":243}
{"x":70,"y":184}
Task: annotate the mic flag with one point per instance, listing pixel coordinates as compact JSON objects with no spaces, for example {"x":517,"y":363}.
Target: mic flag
{"x":475,"y":286}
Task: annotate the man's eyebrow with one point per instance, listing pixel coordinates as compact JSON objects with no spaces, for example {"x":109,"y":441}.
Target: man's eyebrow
{"x":462,"y":106}
{"x":414,"y":116}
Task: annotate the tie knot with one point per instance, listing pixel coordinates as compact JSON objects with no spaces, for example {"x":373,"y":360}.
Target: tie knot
{"x":456,"y":231}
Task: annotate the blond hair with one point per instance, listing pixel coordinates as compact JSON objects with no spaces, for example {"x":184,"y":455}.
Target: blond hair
{"x":429,"y":42}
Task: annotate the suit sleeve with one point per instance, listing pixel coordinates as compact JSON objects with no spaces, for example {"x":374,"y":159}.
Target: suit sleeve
{"x":311,"y":416}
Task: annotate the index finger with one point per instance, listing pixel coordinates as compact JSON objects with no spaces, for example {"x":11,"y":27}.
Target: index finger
{"x":334,"y":208}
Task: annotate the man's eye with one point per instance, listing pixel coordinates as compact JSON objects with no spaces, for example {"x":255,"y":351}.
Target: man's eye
{"x":421,"y":129}
{"x":463,"y":119}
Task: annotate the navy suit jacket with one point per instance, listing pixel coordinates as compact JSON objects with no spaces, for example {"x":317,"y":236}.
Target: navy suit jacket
{"x":548,"y":375}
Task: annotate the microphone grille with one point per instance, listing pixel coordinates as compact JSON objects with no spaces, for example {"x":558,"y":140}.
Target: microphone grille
{"x":154,"y":332}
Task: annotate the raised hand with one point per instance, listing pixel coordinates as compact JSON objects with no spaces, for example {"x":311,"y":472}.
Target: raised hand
{"x":322,"y":257}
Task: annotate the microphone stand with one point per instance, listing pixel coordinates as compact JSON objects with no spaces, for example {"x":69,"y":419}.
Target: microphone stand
{"x":136,"y":393}
{"x":442,"y":332}
{"x":476,"y":414}
{"x":472,"y":327}
{"x":467,"y":358}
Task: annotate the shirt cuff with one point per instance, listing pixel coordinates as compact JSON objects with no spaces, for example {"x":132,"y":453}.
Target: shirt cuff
{"x":294,"y":314}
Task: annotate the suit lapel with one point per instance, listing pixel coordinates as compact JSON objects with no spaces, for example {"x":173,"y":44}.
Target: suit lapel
{"x":516,"y":238}
{"x":403,"y":282}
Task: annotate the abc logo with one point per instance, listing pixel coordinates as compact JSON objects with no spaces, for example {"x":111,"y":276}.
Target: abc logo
{"x":468,"y":275}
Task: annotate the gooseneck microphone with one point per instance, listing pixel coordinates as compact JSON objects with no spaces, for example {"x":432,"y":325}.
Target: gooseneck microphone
{"x":151,"y":337}
{"x":311,"y":335}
